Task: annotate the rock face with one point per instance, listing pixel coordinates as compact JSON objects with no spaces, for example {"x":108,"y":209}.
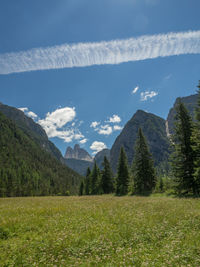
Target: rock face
{"x":99,"y":157}
{"x":190,"y":103}
{"x":32,"y":129}
{"x":154,"y":130}
{"x":77,"y":153}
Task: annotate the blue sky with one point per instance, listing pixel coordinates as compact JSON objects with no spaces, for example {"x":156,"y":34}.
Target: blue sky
{"x":69,"y":99}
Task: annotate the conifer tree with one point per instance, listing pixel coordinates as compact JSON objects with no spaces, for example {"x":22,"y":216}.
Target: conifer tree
{"x":107,"y":177}
{"x":144,"y":175}
{"x":87,"y":182}
{"x":81,"y":188}
{"x":95,"y":178}
{"x":196,"y":147}
{"x":122,"y":179}
{"x":183,"y":155}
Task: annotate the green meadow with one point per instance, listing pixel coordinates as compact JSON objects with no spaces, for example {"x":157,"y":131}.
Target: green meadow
{"x":99,"y":231}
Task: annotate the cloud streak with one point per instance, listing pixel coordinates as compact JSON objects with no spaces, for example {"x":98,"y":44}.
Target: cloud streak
{"x":111,"y":52}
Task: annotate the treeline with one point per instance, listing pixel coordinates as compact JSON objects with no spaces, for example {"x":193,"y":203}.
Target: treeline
{"x":141,"y":177}
{"x":28,"y":170}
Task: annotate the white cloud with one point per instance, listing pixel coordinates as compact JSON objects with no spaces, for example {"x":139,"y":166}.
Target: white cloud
{"x":32,"y":115}
{"x":135,"y":90}
{"x":148,"y":94}
{"x":28,"y":113}
{"x":105,"y":130}
{"x":110,"y":52}
{"x":83,"y":141}
{"x":94,"y":124}
{"x":114,"y":119}
{"x":59,"y":117}
{"x":55,"y":122}
{"x":23,"y":109}
{"x":97,"y":146}
{"x":117,"y":128}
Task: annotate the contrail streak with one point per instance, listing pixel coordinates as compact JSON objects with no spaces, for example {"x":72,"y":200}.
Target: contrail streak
{"x":111,"y":52}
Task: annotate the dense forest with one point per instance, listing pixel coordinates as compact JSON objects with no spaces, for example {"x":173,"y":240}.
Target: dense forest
{"x":28,"y":170}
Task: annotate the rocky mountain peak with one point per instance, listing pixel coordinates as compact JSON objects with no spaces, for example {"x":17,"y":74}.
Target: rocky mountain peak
{"x":77,"y":153}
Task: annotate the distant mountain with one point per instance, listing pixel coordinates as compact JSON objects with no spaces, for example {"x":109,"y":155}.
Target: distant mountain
{"x":99,"y":157}
{"x":32,"y":129}
{"x":155,"y":132}
{"x":26,"y":169}
{"x":190,"y":103}
{"x":79,"y":166}
{"x":77,"y":153}
{"x":77,"y":159}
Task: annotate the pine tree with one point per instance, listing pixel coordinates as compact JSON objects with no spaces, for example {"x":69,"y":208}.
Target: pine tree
{"x":107,"y":177}
{"x":95,"y":177}
{"x":87,"y":182}
{"x":81,"y":188}
{"x":196,"y":147}
{"x":122,"y":179}
{"x":144,"y":175}
{"x":183,"y":155}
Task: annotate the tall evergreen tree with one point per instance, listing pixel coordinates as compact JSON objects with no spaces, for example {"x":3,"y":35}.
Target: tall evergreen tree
{"x":95,"y":178}
{"x":81,"y":188}
{"x":107,"y":177}
{"x":122,"y":179}
{"x":196,"y":139}
{"x":183,"y":155}
{"x":87,"y":182}
{"x":144,"y":175}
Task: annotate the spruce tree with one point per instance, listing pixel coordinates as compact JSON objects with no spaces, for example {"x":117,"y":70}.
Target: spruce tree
{"x":144,"y":175}
{"x":183,"y":155}
{"x":196,"y":147}
{"x":81,"y":188}
{"x":107,"y":177}
{"x":122,"y":179}
{"x":87,"y":182}
{"x":95,"y":177}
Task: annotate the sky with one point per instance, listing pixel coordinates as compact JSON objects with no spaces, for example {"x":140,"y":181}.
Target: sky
{"x":82,"y":68}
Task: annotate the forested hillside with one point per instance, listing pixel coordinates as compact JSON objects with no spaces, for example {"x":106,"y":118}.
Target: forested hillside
{"x":27,"y":169}
{"x":32,"y":129}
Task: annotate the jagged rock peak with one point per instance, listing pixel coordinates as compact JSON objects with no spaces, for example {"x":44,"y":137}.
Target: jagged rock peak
{"x":77,"y":153}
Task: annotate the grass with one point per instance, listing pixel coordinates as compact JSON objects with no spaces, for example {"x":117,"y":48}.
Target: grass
{"x":99,"y":231}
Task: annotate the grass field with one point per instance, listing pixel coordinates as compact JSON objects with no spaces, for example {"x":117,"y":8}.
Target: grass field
{"x":99,"y":231}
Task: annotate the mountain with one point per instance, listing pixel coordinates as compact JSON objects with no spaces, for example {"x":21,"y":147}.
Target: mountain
{"x":77,"y":153}
{"x":79,"y":159}
{"x":79,"y":166}
{"x":155,"y":132}
{"x":190,"y":103}
{"x":26,"y":169}
{"x":31,"y":129}
{"x":99,"y":157}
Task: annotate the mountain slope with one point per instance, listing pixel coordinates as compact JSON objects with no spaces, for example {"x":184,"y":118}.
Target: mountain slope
{"x":27,"y":169}
{"x":30,"y":128}
{"x":79,"y":166}
{"x":190,"y":103}
{"x":99,"y":157}
{"x":154,"y":130}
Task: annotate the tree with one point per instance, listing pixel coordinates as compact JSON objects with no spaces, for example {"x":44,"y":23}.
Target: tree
{"x":107,"y":177}
{"x":122,"y":179}
{"x":95,"y":177}
{"x":196,"y":140}
{"x":183,"y":155}
{"x":87,"y":182}
{"x":81,"y":188}
{"x":144,"y":175}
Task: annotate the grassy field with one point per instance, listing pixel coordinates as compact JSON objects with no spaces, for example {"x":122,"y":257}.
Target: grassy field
{"x":99,"y":231}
